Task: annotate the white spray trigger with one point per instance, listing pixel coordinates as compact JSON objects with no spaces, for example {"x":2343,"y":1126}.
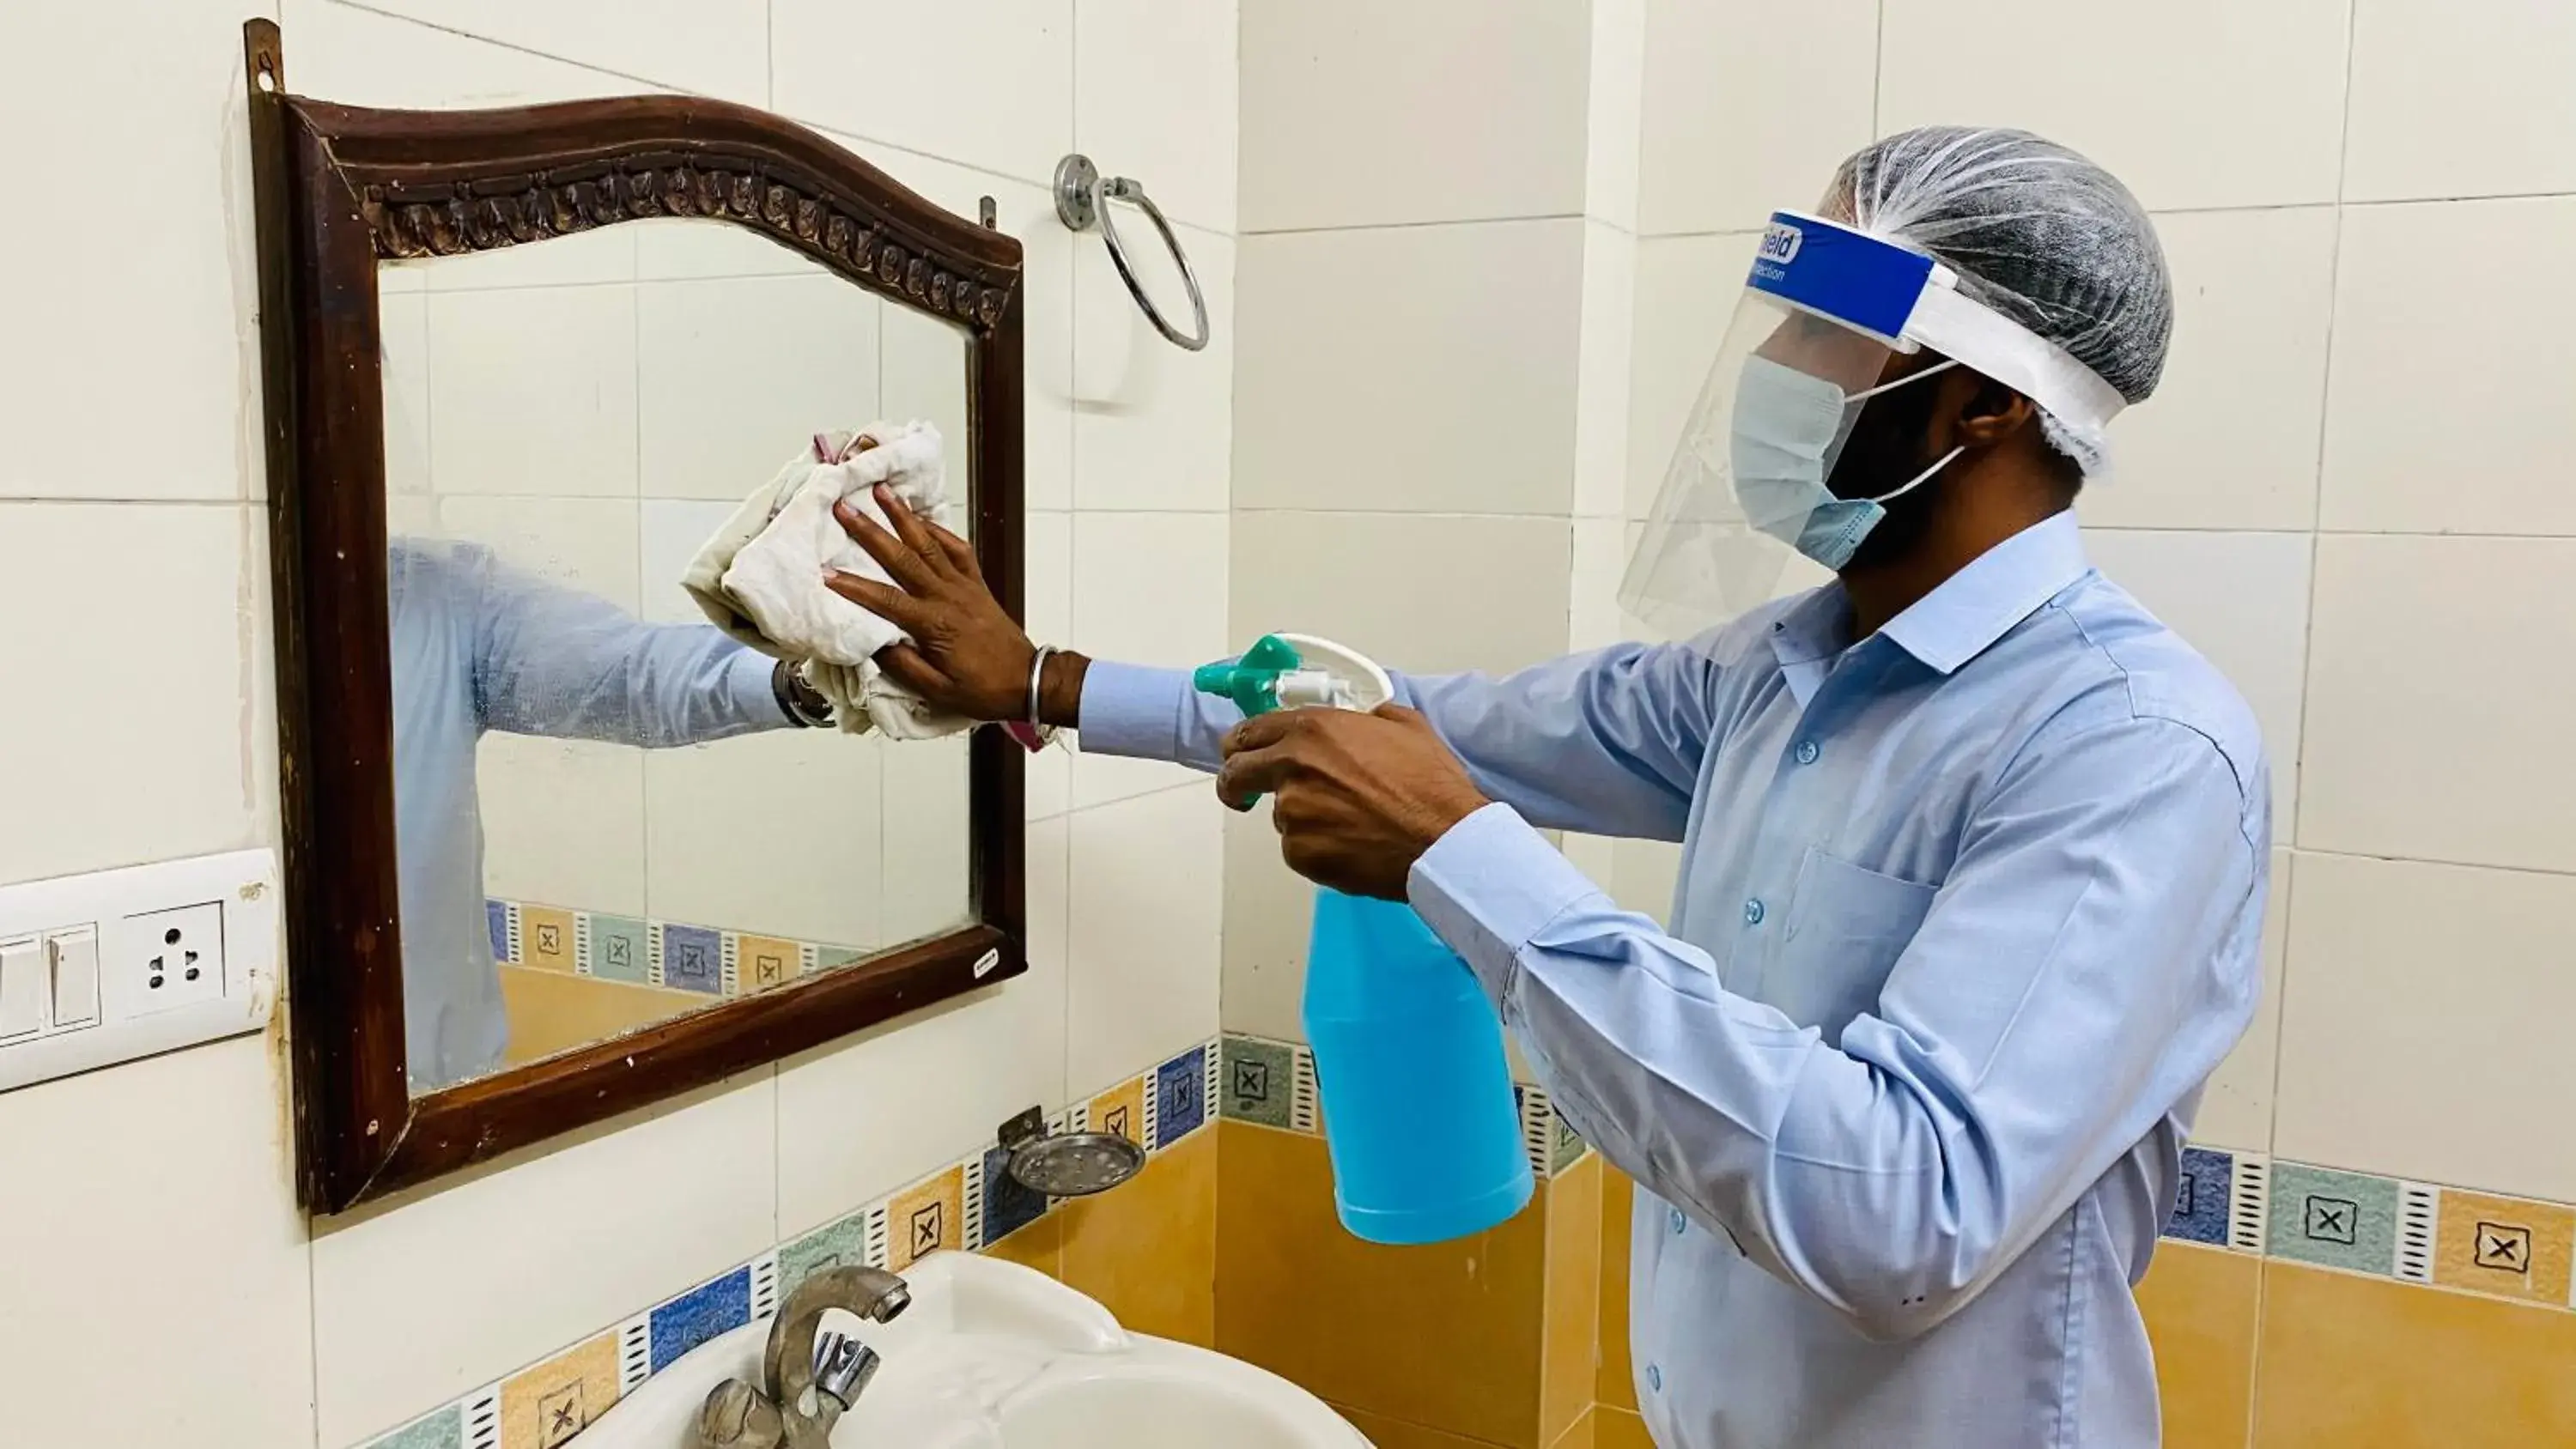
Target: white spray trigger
{"x":1329,"y":674}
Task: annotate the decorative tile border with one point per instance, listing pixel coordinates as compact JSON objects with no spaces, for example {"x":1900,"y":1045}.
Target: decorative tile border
{"x":1272,"y":1084}
{"x":969,"y":1204}
{"x":2360,"y":1222}
{"x":675,"y":955}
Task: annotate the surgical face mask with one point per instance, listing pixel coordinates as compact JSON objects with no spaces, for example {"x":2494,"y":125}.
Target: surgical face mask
{"x":1785,"y":424}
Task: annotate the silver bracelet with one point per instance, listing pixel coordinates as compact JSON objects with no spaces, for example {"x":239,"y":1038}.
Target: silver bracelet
{"x":1037,"y":678}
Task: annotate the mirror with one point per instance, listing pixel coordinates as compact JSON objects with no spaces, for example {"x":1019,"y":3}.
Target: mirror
{"x":557,"y":847}
{"x":607,"y":815}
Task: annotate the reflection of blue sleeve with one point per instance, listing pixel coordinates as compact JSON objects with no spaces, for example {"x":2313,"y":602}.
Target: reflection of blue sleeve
{"x":2090,"y":958}
{"x":556,"y":661}
{"x":1608,"y":743}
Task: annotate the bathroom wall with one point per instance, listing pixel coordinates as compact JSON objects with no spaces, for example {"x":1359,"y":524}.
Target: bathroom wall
{"x":2348,"y":494}
{"x":131,"y":507}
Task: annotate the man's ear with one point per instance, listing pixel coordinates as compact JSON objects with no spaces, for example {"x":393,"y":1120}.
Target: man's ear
{"x":1987,"y":412}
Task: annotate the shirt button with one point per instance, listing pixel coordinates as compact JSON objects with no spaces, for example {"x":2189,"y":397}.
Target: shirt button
{"x":1807,"y":752}
{"x":1753,"y":913}
{"x":1654,"y":1378}
{"x":1680,"y":1224}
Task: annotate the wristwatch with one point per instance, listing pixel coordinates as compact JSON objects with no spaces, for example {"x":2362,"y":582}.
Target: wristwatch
{"x":798,"y":699}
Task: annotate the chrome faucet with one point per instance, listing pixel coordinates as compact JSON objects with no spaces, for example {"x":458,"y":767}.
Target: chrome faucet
{"x":833,"y":1370}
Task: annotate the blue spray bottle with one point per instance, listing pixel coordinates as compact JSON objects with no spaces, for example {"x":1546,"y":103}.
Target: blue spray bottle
{"x":1416,"y":1093}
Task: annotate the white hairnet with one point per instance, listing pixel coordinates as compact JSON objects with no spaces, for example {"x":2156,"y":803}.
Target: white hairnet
{"x":2035,"y":232}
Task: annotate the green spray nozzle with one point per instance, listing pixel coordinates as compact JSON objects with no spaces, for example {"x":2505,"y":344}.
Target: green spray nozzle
{"x":1252,"y":682}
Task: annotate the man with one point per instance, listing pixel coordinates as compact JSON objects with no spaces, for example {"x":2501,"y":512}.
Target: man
{"x":477,"y":646}
{"x":1975,"y":849}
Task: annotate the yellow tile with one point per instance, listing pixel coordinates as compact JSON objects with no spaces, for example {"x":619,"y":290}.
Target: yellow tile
{"x":1038,"y":1245}
{"x":2200,"y":1308}
{"x":2349,"y":1360}
{"x":1615,"y":1382}
{"x":1444,"y":1336}
{"x":1581,"y":1434}
{"x":1386,"y":1433}
{"x":1147,"y":1251}
{"x":1121,"y":1109}
{"x":2503,"y":1245}
{"x":1573,"y":1312}
{"x":761,"y":962}
{"x":547,"y":1405}
{"x":1622,"y":1429}
{"x":546,"y":939}
{"x":550,"y":1011}
{"x":926,"y":1219}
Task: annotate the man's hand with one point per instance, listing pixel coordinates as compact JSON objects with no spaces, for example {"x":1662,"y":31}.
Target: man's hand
{"x":1360,"y":796}
{"x":966,"y":656}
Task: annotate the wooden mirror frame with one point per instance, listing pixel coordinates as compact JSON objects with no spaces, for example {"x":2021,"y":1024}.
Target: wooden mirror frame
{"x":338,"y":190}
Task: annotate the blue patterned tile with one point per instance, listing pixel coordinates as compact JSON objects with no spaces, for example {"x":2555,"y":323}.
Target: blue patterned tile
{"x":620,"y":949}
{"x":700,"y":1314}
{"x":1180,"y":1096}
{"x":842,"y":1243}
{"x":693,"y":959}
{"x":442,"y":1430}
{"x":1008,"y":1206}
{"x":2201,"y":1197}
{"x":496,"y":919}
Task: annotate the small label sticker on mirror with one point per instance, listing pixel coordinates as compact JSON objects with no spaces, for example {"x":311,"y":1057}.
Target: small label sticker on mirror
{"x":985,"y":963}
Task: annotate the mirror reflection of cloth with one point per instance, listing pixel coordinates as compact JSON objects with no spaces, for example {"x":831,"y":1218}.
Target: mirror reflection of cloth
{"x":477,"y":645}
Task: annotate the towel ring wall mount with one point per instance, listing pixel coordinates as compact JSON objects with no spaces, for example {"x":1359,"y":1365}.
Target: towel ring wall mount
{"x":1082,"y":197}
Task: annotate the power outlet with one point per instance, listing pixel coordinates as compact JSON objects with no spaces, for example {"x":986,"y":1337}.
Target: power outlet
{"x":166,"y":959}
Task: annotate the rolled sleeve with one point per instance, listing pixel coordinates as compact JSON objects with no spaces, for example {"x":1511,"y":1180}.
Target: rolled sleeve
{"x":1491,"y":885}
{"x":1146,"y":714}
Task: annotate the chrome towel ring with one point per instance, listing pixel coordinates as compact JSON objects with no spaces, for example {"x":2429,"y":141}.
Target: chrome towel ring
{"x":1082,"y":198}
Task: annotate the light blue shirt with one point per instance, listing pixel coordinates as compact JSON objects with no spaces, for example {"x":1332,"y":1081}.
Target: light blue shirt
{"x":480,"y":646}
{"x":1968,"y":911}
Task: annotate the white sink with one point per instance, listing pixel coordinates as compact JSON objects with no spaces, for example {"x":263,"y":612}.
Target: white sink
{"x":992,"y":1355}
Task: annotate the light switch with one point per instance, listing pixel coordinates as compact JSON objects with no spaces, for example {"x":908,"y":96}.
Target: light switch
{"x":75,"y":962}
{"x":22,"y":987}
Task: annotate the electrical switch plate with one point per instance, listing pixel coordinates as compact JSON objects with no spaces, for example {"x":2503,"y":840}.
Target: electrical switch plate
{"x":22,"y":987}
{"x":92,"y":968}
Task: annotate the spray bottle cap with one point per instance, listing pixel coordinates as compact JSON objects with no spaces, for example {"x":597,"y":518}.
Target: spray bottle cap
{"x":1252,"y":682}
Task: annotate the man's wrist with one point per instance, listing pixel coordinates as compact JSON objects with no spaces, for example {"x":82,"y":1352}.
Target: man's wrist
{"x":1060,"y":690}
{"x":801,"y":702}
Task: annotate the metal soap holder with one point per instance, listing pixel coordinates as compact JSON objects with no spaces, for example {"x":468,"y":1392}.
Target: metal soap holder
{"x":1066,"y":1164}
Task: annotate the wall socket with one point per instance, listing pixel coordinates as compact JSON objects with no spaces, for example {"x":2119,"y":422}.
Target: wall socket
{"x":161,"y":960}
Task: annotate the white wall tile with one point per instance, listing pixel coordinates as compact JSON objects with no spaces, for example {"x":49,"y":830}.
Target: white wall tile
{"x":563,"y":822}
{"x":2241,"y":599}
{"x":921,"y":377}
{"x":403,"y":320}
{"x":712,"y":47}
{"x":2435,"y":722}
{"x":672,"y":532}
{"x":589,"y":544}
{"x":737,"y":375}
{"x":604,"y":254}
{"x":927,"y":827}
{"x":2460,"y":98}
{"x":94,"y":589}
{"x":1410,"y":368}
{"x":532,"y":391}
{"x":443,"y":1290}
{"x":1357,"y":113}
{"x":2423,"y":1028}
{"x":2236,"y":1108}
{"x":1047,"y":607}
{"x":1420,"y":592}
{"x":1748,"y":109}
{"x":1686,"y":289}
{"x":1144,"y":938}
{"x":164,"y":1183}
{"x":2230,"y":438}
{"x":364,"y":58}
{"x":1154,"y":98}
{"x":1152,"y":424}
{"x":1269,"y":913}
{"x":869,"y":1114}
{"x":2197,"y":103}
{"x":1604,"y":356}
{"x":1614,"y":108}
{"x":682,"y":248}
{"x":986,"y":83}
{"x":132,"y":311}
{"x":1644,"y":875}
{"x":1148,"y":588}
{"x":2444,"y":414}
{"x":732,"y":838}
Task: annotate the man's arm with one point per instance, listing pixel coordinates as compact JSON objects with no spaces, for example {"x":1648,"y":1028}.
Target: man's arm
{"x":559,"y":662}
{"x":2091,"y":958}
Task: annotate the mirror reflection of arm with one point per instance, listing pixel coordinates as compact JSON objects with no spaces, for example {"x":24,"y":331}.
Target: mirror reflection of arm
{"x":556,"y":661}
{"x":1608,"y":743}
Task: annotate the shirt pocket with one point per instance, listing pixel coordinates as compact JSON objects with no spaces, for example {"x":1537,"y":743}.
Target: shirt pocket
{"x":1847,"y":925}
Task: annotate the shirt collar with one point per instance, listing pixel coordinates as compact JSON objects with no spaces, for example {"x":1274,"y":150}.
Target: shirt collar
{"x":1958,"y":620}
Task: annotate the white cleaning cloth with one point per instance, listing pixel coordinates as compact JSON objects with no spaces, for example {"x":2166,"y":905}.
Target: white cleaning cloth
{"x":761,"y":577}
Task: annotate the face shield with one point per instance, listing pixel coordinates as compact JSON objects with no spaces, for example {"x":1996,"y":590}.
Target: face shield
{"x":1754,"y":478}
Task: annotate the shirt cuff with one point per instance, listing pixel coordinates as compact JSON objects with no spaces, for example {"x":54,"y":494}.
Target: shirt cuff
{"x":750,"y":675}
{"x":1132,"y":711}
{"x":1489,"y":886}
